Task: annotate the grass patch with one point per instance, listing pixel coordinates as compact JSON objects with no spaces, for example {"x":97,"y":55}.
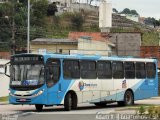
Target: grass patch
{"x":3,"y":99}
{"x":137,"y":107}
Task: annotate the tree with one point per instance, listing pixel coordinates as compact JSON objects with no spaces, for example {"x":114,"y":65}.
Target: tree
{"x":52,"y":9}
{"x":128,"y":11}
{"x":39,"y":12}
{"x":134,"y":12}
{"x":152,"y":21}
{"x":115,"y":10}
{"x":77,"y":21}
{"x":5,"y":26}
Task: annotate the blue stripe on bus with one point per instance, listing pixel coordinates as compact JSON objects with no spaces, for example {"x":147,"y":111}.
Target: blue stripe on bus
{"x":138,"y":93}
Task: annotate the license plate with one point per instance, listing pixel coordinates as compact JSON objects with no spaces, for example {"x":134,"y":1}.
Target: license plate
{"x":22,"y":100}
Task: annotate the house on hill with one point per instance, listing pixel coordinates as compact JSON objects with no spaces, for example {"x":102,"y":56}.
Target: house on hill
{"x":123,"y":44}
{"x":84,"y":43}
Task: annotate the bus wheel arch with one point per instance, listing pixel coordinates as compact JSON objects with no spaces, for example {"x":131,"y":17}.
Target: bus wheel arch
{"x":70,"y":101}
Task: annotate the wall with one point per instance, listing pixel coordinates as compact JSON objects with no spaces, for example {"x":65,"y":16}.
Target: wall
{"x":151,"y":52}
{"x":4,"y":55}
{"x":4,"y":80}
{"x":53,"y":48}
{"x":88,"y":46}
{"x":127,"y":44}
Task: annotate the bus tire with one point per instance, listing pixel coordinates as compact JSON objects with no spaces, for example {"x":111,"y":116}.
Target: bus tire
{"x":68,"y":102}
{"x":128,"y":98}
{"x":74,"y":101}
{"x":39,"y":107}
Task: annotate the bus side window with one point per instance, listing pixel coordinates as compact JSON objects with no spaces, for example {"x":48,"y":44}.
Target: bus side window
{"x":52,"y":72}
{"x":104,"y":69}
{"x":129,"y":70}
{"x":151,"y":70}
{"x":140,"y":70}
{"x":88,"y":69}
{"x":71,"y":69}
{"x":118,"y":70}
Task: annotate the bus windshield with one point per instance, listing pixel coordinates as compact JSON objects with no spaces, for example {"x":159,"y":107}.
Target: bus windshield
{"x":27,"y":74}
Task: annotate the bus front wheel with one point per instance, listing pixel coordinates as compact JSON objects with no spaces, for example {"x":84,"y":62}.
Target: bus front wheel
{"x":68,"y":102}
{"x":39,"y":107}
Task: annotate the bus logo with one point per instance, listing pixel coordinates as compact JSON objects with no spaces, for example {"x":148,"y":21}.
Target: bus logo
{"x":81,"y":85}
{"x":124,"y":84}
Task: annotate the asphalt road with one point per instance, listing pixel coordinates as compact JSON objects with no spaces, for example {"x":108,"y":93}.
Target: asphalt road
{"x":84,"y":111}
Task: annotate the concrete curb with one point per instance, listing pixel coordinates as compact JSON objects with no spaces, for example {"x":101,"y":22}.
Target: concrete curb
{"x":4,"y":103}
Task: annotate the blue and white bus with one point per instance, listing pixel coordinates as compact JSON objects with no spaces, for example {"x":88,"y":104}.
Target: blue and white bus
{"x":56,"y":79}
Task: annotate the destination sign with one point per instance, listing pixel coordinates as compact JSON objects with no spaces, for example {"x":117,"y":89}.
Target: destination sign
{"x":26,"y":58}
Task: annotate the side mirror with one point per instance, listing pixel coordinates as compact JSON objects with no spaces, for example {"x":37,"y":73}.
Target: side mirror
{"x":6,"y":72}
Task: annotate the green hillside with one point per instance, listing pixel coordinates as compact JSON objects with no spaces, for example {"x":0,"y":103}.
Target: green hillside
{"x":45,"y":24}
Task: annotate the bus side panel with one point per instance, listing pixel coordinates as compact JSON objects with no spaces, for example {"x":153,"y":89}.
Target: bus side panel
{"x":56,"y":94}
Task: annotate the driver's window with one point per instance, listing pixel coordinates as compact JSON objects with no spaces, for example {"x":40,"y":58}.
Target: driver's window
{"x":52,"y":72}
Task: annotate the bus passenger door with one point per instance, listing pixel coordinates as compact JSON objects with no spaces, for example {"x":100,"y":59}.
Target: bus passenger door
{"x":52,"y":81}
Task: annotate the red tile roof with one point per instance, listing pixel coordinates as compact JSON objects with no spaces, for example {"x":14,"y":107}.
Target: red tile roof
{"x":94,"y":35}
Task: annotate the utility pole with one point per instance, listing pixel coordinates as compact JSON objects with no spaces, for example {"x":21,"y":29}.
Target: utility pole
{"x":117,"y":45}
{"x":28,"y":28}
{"x":13,"y":45}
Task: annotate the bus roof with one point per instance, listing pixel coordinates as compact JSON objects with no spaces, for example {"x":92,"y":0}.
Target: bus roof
{"x":90,"y":57}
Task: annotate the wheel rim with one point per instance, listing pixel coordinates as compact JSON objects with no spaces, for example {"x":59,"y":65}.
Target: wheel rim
{"x":128,"y":98}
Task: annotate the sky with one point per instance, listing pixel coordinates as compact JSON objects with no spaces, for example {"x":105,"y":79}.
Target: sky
{"x":146,"y":8}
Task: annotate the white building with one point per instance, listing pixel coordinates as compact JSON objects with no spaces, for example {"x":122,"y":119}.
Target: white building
{"x":132,"y":17}
{"x":93,"y":47}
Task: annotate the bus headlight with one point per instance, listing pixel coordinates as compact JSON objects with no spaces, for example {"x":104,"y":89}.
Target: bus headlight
{"x":39,"y":93}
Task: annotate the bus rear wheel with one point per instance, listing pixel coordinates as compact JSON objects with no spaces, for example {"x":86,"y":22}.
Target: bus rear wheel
{"x":39,"y":107}
{"x":128,"y":99}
